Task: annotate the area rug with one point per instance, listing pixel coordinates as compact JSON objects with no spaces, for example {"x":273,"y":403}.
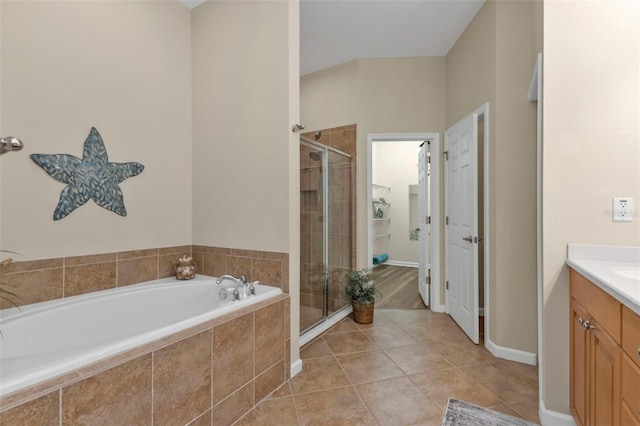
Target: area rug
{"x":462,"y":413}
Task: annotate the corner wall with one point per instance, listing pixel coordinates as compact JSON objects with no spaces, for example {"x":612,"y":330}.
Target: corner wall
{"x":240,"y":104}
{"x":591,"y":153}
{"x":66,"y":68}
{"x":492,"y":62}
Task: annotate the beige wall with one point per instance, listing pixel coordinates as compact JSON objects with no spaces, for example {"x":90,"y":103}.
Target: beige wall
{"x":244,"y":154}
{"x":591,"y":153}
{"x":240,"y":136}
{"x":492,"y":62}
{"x":65,"y":68}
{"x":391,"y":95}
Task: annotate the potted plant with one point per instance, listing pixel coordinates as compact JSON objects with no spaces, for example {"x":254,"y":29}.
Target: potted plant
{"x":361,"y":288}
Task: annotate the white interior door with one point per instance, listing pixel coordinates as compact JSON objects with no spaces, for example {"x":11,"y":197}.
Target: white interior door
{"x":424,"y":233}
{"x":461,"y":224}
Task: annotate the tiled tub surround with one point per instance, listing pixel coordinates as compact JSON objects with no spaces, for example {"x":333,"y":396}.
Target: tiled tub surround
{"x":117,"y":378}
{"x":47,"y":279}
{"x":211,"y":373}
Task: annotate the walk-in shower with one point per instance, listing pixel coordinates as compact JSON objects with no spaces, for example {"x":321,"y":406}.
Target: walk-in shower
{"x":326,"y":243}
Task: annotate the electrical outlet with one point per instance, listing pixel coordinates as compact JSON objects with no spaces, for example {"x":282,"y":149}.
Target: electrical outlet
{"x":623,"y":209}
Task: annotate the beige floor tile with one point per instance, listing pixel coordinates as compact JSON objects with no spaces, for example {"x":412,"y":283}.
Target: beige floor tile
{"x":319,"y":374}
{"x":341,"y":406}
{"x":440,"y":385}
{"x":272,"y":412}
{"x":344,"y":325}
{"x":397,"y":402}
{"x":507,"y":384}
{"x":429,"y":333}
{"x":368,"y":366}
{"x":415,"y":359}
{"x":380,"y":319}
{"x":354,"y":341}
{"x":530,"y":410}
{"x":282,"y":391}
{"x":390,"y":336}
{"x":462,"y":353}
{"x":315,"y":349}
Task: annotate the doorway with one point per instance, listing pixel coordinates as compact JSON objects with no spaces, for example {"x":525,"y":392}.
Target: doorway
{"x":381,"y":214}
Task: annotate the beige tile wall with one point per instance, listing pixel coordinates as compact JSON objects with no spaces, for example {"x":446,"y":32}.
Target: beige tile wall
{"x":214,"y":375}
{"x":48,"y":279}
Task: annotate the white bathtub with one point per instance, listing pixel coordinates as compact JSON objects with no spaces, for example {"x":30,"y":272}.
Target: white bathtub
{"x":51,"y":338}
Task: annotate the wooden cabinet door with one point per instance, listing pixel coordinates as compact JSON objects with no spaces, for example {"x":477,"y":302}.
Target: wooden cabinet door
{"x":579,"y":364}
{"x":604,"y":377}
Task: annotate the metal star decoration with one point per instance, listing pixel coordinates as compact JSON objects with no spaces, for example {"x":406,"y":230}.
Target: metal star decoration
{"x":92,"y":177}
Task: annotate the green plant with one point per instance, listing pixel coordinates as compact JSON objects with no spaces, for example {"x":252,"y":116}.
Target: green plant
{"x":3,"y":292}
{"x":361,"y":286}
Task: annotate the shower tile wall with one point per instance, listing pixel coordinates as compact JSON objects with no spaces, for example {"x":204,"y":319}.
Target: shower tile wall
{"x":342,"y":211}
{"x":47,"y":279}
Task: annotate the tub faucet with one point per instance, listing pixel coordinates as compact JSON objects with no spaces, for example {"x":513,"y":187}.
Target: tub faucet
{"x":241,"y":282}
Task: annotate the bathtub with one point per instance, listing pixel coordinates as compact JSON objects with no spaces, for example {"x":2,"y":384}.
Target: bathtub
{"x":51,"y":338}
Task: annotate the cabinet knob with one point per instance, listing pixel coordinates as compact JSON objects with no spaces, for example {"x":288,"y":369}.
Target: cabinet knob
{"x":581,"y":322}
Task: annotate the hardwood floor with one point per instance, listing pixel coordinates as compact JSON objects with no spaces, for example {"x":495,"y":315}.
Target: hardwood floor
{"x":399,"y":288}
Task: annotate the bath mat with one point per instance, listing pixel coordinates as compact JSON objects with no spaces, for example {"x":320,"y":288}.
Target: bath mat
{"x":462,"y":413}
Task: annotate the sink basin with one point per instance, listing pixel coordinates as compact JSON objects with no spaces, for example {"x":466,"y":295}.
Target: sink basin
{"x":633,"y":273}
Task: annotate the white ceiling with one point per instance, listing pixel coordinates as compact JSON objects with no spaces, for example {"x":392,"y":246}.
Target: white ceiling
{"x":337,"y":31}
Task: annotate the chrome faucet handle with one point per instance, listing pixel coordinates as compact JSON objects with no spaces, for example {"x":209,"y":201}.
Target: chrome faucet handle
{"x":236,"y":294}
{"x":243,"y":279}
{"x":252,"y":288}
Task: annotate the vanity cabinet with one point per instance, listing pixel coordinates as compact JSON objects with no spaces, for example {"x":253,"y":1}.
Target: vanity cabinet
{"x":596,"y":355}
{"x":630,"y":368}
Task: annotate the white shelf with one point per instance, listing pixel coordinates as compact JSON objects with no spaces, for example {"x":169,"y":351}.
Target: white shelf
{"x":384,"y":219}
{"x":376,"y":186}
{"x":378,"y":236}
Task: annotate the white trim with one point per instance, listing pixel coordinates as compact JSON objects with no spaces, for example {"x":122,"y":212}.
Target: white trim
{"x":401,"y":263}
{"x":296,"y":367}
{"x":314,"y":332}
{"x":511,"y":354}
{"x":554,"y":418}
{"x":436,"y":221}
{"x":484,"y":111}
{"x":538,"y":75}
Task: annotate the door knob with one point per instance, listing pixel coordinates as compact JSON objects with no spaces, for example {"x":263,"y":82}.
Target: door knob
{"x":468,"y":239}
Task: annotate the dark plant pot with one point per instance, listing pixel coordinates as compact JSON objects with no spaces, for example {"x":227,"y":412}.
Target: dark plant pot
{"x":363,"y":311}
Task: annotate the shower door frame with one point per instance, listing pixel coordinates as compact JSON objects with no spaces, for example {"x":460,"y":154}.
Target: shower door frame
{"x":310,"y":143}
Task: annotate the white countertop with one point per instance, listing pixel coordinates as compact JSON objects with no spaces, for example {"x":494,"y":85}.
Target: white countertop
{"x":610,"y":268}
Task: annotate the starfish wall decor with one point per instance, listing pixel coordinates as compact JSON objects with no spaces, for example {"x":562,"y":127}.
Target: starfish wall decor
{"x":92,"y":177}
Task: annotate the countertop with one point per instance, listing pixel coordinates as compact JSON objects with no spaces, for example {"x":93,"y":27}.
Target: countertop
{"x":616,"y":270}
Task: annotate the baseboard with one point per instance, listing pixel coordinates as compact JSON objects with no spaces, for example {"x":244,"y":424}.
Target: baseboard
{"x":554,"y":418}
{"x":511,"y":354}
{"x":296,"y":367}
{"x":401,"y":263}
{"x":438,"y":308}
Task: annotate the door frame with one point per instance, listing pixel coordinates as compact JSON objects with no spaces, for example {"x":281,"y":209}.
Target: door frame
{"x":483,"y":111}
{"x":436,"y":149}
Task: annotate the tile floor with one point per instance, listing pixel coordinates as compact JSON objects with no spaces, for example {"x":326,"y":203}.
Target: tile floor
{"x":400,"y":370}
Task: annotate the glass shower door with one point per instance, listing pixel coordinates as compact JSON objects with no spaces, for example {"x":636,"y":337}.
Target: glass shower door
{"x":340,"y":242}
{"x":312,"y":244}
{"x":326,"y":243}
